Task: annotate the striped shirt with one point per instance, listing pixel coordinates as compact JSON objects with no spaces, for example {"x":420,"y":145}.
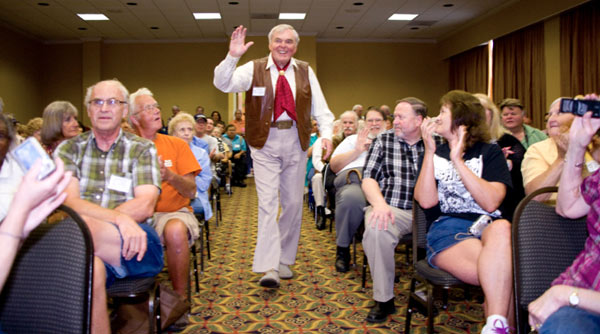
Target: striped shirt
{"x":394,"y":164}
{"x":109,"y":178}
{"x":585,"y":270}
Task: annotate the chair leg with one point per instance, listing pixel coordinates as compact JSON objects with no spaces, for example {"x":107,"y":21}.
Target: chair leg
{"x":154,"y":310}
{"x":201,"y":238}
{"x":207,"y":239}
{"x":409,"y":307}
{"x":430,"y":314}
{"x":364,"y":271}
{"x":354,"y":251}
{"x":196,"y":268}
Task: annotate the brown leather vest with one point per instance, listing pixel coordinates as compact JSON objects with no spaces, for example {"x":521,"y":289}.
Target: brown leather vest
{"x":259,"y":109}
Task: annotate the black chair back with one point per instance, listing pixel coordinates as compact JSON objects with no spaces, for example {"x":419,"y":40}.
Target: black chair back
{"x":544,"y":245}
{"x":49,"y":289}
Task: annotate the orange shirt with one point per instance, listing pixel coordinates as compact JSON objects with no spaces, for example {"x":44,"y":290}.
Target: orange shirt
{"x":239,"y":126}
{"x":178,"y":157}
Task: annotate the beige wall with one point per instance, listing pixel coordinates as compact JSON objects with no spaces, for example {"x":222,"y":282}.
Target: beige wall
{"x":380,"y":73}
{"x":20,"y":76}
{"x":32,"y":74}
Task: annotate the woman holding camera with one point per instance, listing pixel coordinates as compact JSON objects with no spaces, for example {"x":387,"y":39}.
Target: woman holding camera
{"x":470,"y":177}
{"x":572,"y":304}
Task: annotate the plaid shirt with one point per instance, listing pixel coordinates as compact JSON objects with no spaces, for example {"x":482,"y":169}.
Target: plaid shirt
{"x":584,"y":272}
{"x":130,"y":157}
{"x":394,"y":164}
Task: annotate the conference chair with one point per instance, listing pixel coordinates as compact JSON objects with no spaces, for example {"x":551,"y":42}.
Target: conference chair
{"x":544,"y":245}
{"x":49,"y":289}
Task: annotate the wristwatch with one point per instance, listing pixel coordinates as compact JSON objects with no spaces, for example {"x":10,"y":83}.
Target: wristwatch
{"x":574,"y":299}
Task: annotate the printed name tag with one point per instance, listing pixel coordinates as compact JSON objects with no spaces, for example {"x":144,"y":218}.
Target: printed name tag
{"x":258,"y":91}
{"x":168,"y":163}
{"x":592,"y":166}
{"x":119,"y":183}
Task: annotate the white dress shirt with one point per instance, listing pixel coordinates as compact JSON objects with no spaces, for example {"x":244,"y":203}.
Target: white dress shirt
{"x":230,"y":79}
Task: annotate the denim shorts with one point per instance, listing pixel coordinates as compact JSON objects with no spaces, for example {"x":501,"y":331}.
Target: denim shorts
{"x":150,"y":265}
{"x":446,"y":232}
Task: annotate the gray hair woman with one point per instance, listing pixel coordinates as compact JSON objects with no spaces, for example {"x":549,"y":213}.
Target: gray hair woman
{"x":60,"y":123}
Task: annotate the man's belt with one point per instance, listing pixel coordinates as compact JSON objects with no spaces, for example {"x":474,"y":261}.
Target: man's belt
{"x":282,"y":125}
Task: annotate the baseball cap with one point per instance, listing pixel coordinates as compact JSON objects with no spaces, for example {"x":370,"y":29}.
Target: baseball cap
{"x":200,"y":117}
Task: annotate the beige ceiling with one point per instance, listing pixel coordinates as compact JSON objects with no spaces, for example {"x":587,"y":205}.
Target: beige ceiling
{"x":326,"y":19}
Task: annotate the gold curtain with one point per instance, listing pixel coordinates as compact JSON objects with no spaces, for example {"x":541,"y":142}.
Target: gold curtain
{"x":469,"y":70}
{"x":579,"y":43}
{"x":519,"y":70}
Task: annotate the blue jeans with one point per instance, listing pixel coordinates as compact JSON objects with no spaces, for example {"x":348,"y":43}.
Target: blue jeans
{"x":571,"y":320}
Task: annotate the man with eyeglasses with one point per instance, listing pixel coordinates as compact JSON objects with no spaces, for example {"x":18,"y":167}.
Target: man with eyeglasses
{"x":174,"y":219}
{"x":347,"y":162}
{"x":115,"y":186}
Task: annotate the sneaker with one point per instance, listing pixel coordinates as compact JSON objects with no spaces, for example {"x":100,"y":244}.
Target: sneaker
{"x":497,"y":327}
{"x":285,"y":272}
{"x":228,"y":188}
{"x":270,"y":279}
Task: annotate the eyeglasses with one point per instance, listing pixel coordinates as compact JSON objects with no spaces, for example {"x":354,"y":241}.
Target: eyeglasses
{"x":110,"y":103}
{"x":150,"y":107}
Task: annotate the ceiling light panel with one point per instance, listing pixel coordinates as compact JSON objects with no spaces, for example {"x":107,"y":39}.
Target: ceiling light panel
{"x":402,"y":17}
{"x":292,"y":16}
{"x":207,"y":16}
{"x":93,"y":17}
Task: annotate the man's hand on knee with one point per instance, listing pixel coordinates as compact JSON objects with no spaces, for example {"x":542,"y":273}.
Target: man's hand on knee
{"x":135,"y":240}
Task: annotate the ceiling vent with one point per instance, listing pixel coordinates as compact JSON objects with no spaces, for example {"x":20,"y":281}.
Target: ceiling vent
{"x":417,"y":23}
{"x":263,"y":16}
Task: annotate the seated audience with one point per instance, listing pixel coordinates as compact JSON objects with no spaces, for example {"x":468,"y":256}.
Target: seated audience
{"x":572,"y":304}
{"x":174,"y":220}
{"x":513,"y":152}
{"x":10,"y":170}
{"x":358,"y":109}
{"x":544,"y":161}
{"x":317,"y":182}
{"x":239,"y":123}
{"x":314,"y":134}
{"x":238,"y":151}
{"x":34,"y":128}
{"x":347,"y":161}
{"x":199,"y":110}
{"x":216,"y":116}
{"x":202,"y":137}
{"x":60,"y":123}
{"x":182,"y":126}
{"x":114,"y":205}
{"x":513,"y":116}
{"x":222,"y":168}
{"x":471,"y":178}
{"x":33,"y":202}
{"x":388,"y":181}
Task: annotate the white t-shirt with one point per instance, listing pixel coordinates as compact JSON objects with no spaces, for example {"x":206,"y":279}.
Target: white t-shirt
{"x":347,"y":145}
{"x":11,"y":175}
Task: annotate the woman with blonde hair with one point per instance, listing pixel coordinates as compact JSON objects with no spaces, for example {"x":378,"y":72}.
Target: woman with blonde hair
{"x":513,"y":152}
{"x":59,"y":123}
{"x":33,"y":128}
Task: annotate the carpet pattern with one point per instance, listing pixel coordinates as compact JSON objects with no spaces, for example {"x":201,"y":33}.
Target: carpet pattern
{"x":317,"y":300}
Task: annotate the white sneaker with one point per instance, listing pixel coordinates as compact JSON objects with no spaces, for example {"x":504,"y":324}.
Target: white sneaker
{"x":497,"y":326}
{"x":270,"y":279}
{"x":285,"y":272}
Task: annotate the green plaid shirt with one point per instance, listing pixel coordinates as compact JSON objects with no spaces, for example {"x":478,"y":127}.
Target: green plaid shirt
{"x":130,"y":157}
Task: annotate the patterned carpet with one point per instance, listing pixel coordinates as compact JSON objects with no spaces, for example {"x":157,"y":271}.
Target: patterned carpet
{"x":316,"y":300}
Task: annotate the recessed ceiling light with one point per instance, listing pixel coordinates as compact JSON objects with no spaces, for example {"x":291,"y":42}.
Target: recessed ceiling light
{"x":292,"y":16}
{"x":233,"y":3}
{"x":414,"y":28}
{"x":448,"y":5}
{"x":93,"y":17}
{"x":154,"y":28}
{"x":132,"y":4}
{"x":82,"y":28}
{"x":207,"y":16}
{"x":402,"y":17}
{"x":339,"y":27}
{"x":358,"y":3}
{"x":44,"y":4}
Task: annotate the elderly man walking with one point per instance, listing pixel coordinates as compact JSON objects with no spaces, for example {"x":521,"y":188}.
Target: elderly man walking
{"x":282,"y":93}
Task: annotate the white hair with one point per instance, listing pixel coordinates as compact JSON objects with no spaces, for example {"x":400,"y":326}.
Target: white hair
{"x":350,"y":113}
{"x":283,"y":27}
{"x":140,"y":92}
{"x":356,"y":106}
{"x":124,"y":91}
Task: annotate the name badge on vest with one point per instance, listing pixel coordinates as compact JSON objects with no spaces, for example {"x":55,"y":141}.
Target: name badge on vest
{"x":258,"y":91}
{"x":119,"y":183}
{"x":168,"y":163}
